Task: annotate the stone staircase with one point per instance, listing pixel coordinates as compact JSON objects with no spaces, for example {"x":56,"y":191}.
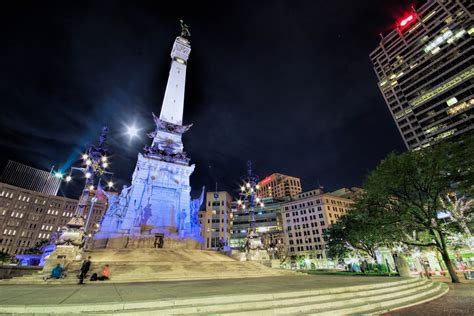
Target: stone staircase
{"x":150,"y":265}
{"x":356,"y":300}
{"x":366,"y":299}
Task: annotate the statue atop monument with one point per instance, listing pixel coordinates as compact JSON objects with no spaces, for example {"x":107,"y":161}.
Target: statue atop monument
{"x":184,"y":29}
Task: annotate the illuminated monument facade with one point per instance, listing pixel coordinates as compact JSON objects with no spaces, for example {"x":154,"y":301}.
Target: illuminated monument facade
{"x":156,"y":208}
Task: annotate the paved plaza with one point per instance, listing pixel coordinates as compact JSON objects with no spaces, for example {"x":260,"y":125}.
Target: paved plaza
{"x":103,"y":292}
{"x":458,"y":301}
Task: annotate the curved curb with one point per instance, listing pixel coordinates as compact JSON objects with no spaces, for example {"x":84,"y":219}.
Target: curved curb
{"x":426,"y":300}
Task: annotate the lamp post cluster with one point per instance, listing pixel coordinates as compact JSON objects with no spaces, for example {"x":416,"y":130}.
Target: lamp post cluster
{"x":96,"y":162}
{"x":249,"y":199}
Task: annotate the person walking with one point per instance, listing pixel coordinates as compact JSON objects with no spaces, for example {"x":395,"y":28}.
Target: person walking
{"x":86,"y":265}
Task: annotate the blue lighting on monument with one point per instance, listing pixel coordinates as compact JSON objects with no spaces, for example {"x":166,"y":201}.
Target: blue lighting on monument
{"x":158,"y":202}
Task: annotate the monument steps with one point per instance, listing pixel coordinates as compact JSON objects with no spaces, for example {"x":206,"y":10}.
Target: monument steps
{"x":151,"y":265}
{"x":353,"y":302}
{"x":364,"y":299}
{"x":396,"y":301}
{"x":308,"y":302}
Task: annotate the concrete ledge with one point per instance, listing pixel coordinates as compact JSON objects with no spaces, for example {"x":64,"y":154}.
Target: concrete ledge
{"x":11,"y":271}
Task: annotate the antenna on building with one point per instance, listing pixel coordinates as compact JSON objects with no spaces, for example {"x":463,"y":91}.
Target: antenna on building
{"x":381,"y":35}
{"x":216,"y":186}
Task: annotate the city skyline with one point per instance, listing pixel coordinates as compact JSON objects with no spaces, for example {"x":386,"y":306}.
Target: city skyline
{"x":323,"y":122}
{"x":239,"y":157}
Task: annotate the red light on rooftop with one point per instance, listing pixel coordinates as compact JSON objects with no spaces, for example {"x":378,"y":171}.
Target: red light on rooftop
{"x":266,"y":180}
{"x":407,"y":20}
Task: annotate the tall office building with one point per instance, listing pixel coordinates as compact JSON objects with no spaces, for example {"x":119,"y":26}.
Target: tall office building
{"x":279,"y":185}
{"x":28,"y":218}
{"x":425,"y":69}
{"x":216,"y":219}
{"x":26,"y":177}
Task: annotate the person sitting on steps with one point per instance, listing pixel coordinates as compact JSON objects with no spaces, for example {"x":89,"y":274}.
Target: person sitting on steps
{"x":56,"y":273}
{"x":105,"y":273}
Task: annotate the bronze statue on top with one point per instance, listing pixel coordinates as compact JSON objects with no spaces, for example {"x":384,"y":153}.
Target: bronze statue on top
{"x":184,"y":29}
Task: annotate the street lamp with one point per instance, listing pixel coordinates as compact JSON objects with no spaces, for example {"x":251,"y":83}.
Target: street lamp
{"x":95,"y":160}
{"x":249,"y":200}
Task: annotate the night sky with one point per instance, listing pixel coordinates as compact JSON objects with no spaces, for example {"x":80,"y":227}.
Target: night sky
{"x":286,"y":84}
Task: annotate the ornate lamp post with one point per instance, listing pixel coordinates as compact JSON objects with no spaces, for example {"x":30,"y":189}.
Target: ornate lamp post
{"x":96,"y":162}
{"x":249,"y":200}
{"x":72,"y":237}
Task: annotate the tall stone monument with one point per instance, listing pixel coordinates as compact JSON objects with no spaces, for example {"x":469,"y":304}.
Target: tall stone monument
{"x":156,"y":209}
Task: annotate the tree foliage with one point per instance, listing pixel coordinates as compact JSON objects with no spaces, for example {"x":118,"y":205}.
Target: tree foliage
{"x":5,"y":257}
{"x":402,"y":200}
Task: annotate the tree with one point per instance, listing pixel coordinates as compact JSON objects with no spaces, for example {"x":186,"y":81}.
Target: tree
{"x":360,"y":230}
{"x":337,"y":243}
{"x":5,"y":257}
{"x":404,"y":192}
{"x":461,"y":212}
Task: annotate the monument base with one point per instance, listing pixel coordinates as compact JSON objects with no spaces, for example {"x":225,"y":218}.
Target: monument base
{"x":151,"y":240}
{"x":255,"y":250}
{"x":65,"y":255}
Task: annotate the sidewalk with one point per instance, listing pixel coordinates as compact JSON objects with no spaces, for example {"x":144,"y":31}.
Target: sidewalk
{"x":458,"y":301}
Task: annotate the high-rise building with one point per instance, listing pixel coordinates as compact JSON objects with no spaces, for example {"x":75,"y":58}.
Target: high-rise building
{"x":26,"y":177}
{"x":29,"y":218}
{"x":279,"y":185}
{"x":216,"y":220}
{"x":425,"y":69}
{"x":267,"y":220}
{"x":307,"y":217}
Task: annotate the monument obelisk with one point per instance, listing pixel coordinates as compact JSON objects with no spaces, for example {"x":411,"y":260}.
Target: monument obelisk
{"x":157,"y":204}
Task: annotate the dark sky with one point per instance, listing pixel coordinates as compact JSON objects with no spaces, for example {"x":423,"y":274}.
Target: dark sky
{"x":286,"y":84}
